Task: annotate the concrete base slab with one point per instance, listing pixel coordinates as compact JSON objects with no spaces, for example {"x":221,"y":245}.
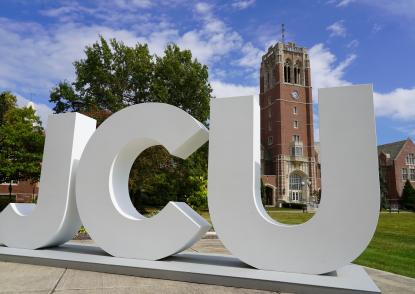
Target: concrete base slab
{"x":202,"y":268}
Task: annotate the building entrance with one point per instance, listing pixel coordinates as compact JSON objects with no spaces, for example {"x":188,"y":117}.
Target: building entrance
{"x":296,"y":196}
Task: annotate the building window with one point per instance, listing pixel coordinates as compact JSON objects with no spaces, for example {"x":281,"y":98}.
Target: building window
{"x":287,"y":71}
{"x":295,"y":76}
{"x":296,"y":124}
{"x":410,"y":158}
{"x":412,"y":174}
{"x":269,"y":126}
{"x":270,"y":140}
{"x":404,"y":174}
{"x":295,"y":182}
{"x":297,"y":151}
{"x":297,"y":73}
{"x":295,"y":110}
{"x":296,"y":138}
{"x":296,"y":195}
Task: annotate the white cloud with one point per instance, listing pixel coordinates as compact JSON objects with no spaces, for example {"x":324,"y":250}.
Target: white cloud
{"x":208,"y":45}
{"x":221,"y":89}
{"x":405,"y":8}
{"x":353,"y":44}
{"x":37,"y":58}
{"x":398,"y":104}
{"x":42,"y":110}
{"x":243,"y":4}
{"x":324,"y":70}
{"x":407,"y":129}
{"x":341,"y":3}
{"x":203,"y":8}
{"x":252,"y":56}
{"x":376,"y":28}
{"x":214,"y":40}
{"x":68,"y":12}
{"x":337,"y":29}
{"x":131,"y":4}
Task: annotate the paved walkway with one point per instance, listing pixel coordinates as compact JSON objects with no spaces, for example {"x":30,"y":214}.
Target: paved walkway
{"x":22,"y":278}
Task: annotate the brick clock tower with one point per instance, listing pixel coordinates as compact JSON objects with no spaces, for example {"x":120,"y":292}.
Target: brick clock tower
{"x":289,"y":162}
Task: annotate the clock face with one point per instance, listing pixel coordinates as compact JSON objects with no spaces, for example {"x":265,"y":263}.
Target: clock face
{"x":295,"y":95}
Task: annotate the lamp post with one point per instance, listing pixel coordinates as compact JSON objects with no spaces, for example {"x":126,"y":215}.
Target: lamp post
{"x":311,"y":198}
{"x":10,"y":191}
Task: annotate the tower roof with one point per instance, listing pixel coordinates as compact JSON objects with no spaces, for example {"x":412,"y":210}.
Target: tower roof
{"x":281,"y":48}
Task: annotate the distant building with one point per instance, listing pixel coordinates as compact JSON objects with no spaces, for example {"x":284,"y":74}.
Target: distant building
{"x":396,"y":166}
{"x":289,"y":162}
{"x":22,"y":191}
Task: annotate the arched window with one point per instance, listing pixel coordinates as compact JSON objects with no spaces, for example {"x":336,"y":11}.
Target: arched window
{"x":295,"y":182}
{"x":287,"y":71}
{"x":297,"y":73}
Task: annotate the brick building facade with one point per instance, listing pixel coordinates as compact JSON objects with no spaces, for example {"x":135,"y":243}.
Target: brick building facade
{"x":396,"y":166}
{"x":290,"y":167}
{"x":22,"y":191}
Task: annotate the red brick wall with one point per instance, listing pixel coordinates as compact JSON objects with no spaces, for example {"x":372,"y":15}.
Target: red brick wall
{"x":399,"y":163}
{"x":282,"y":116}
{"x":24,"y":191}
{"x":269,"y":180}
{"x":393,"y":170}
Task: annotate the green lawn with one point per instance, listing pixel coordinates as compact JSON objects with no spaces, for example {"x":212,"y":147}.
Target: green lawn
{"x":392,"y":248}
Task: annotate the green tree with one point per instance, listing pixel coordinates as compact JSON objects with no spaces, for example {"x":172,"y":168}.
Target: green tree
{"x":21,"y":142}
{"x":181,"y":81}
{"x":383,"y":188}
{"x":7,"y":102}
{"x":408,"y":196}
{"x":113,"y":76}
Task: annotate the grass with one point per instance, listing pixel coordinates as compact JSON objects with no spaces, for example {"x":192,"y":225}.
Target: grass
{"x":292,"y":217}
{"x":392,"y":248}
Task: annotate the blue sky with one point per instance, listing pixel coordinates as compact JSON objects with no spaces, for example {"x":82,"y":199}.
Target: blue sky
{"x":349,"y":41}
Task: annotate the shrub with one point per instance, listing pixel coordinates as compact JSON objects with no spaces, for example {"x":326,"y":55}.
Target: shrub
{"x":408,"y":196}
{"x":293,"y":205}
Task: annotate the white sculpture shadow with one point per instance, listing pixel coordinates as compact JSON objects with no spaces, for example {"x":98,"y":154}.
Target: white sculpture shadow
{"x":347,"y":216}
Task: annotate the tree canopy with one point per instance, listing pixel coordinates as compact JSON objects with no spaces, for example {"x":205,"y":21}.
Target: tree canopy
{"x":21,"y":141}
{"x":113,"y":76}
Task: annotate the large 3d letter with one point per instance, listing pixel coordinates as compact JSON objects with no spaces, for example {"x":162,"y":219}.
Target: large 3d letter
{"x":348,"y":213}
{"x":102,"y":183}
{"x":54,"y":220}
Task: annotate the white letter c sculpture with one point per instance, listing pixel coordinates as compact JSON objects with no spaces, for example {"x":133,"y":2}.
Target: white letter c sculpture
{"x":102,"y":194}
{"x":348,"y":213}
